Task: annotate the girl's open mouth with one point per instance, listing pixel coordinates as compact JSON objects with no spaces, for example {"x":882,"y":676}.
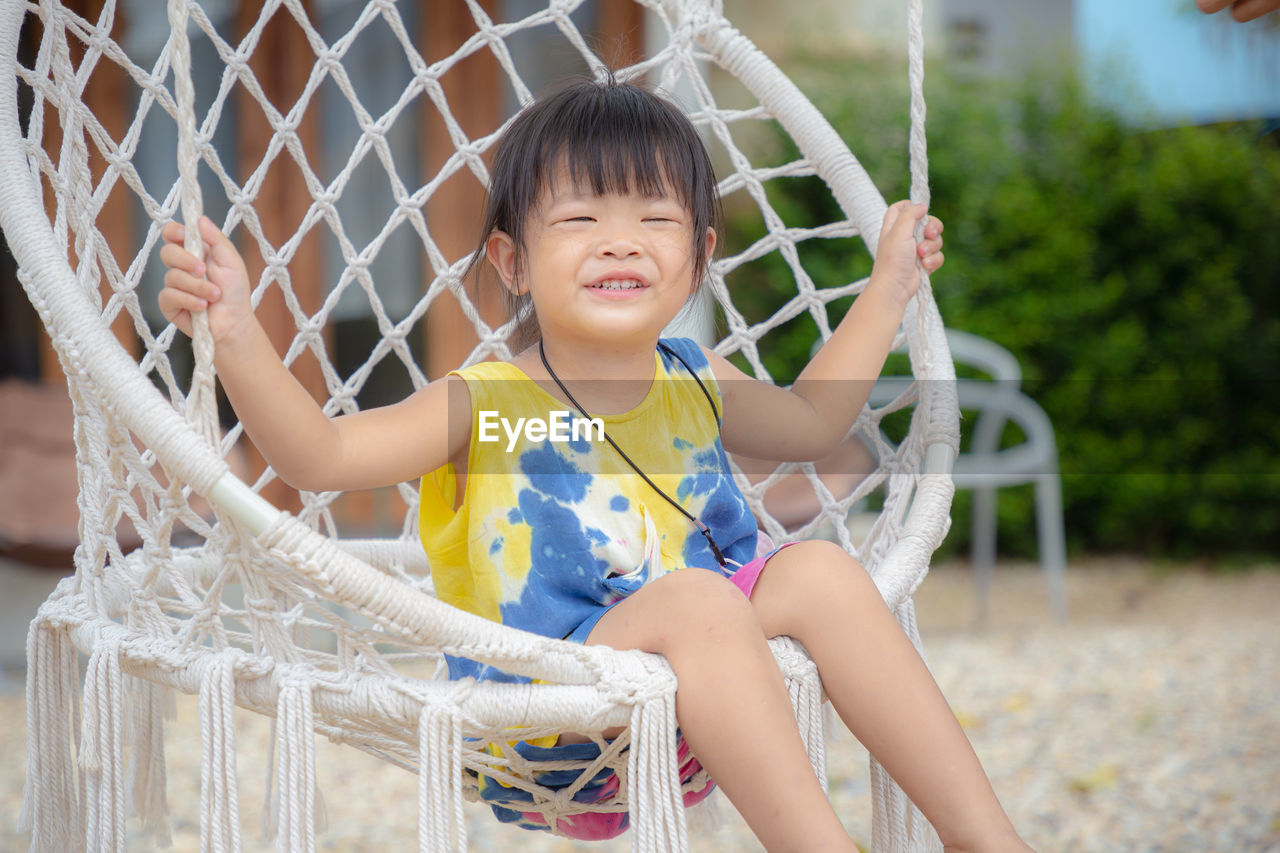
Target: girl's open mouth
{"x":618,"y":284}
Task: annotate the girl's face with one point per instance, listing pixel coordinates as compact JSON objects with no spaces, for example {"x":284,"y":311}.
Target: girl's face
{"x":614,"y":268}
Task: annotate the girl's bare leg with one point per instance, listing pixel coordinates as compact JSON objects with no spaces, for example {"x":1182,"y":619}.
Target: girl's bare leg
{"x":731,"y":703}
{"x":880,"y":687}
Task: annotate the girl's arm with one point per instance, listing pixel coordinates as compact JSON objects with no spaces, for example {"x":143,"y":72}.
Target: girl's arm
{"x":307,"y":449}
{"x":806,"y":421}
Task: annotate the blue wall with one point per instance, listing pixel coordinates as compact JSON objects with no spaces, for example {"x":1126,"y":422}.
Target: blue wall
{"x":1168,"y":64}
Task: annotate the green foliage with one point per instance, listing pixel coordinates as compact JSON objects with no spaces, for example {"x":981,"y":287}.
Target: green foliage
{"x":1135,"y":275}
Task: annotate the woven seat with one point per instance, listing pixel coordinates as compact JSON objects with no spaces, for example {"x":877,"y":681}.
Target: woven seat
{"x":277,"y":613}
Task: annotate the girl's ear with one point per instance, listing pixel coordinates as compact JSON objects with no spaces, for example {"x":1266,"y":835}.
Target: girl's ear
{"x":708,"y":251}
{"x":500,"y":249}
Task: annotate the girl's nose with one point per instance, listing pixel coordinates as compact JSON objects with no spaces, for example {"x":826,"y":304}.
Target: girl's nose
{"x":618,"y":246}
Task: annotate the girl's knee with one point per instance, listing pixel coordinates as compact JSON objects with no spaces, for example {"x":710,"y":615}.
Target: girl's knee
{"x":697,"y":591}
{"x":682,"y":607}
{"x":818,"y":563}
{"x":829,"y":554}
{"x":806,"y":579}
{"x":698,"y":604}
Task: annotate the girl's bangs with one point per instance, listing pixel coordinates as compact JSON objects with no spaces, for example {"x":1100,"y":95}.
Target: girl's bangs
{"x":622,"y":141}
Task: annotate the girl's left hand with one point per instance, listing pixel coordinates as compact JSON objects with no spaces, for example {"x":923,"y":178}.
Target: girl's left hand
{"x":898,"y":252}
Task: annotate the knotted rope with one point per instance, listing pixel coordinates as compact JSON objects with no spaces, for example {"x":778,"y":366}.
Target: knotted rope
{"x":441,"y":822}
{"x":653,"y":769}
{"x":149,"y":704}
{"x":51,"y":808}
{"x":219,"y":801}
{"x":102,"y":749}
{"x":300,"y":811}
{"x":202,"y":402}
{"x":897,"y":825}
{"x":917,"y":150}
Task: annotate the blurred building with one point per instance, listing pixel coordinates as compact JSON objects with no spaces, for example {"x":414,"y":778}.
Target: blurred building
{"x":828,"y":27}
{"x":1004,"y":36}
{"x":1161,"y":62}
{"x":377,"y":68}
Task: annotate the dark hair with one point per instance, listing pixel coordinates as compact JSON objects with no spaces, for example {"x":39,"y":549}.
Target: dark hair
{"x":614,"y":137}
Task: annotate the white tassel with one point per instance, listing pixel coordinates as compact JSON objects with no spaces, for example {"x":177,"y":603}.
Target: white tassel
{"x":886,"y":811}
{"x":219,"y":801}
{"x":270,"y":800}
{"x":440,"y":815}
{"x":148,"y":706}
{"x":299,"y":808}
{"x":51,"y":808}
{"x":653,"y":778}
{"x":806,"y":698}
{"x":897,"y":826}
{"x":101,"y":755}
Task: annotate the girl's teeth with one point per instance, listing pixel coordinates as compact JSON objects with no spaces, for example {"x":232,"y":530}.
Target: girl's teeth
{"x":626,"y":284}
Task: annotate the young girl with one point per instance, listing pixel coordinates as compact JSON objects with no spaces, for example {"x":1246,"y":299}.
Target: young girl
{"x":630,"y":533}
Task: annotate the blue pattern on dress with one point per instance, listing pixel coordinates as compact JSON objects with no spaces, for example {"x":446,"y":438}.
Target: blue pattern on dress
{"x":570,"y":513}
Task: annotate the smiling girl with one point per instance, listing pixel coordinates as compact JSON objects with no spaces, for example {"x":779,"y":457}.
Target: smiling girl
{"x":601,"y":222}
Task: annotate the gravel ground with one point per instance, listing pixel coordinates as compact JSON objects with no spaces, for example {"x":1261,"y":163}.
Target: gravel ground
{"x":1149,"y":722}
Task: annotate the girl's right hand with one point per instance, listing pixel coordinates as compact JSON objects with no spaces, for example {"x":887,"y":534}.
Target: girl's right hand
{"x":219,"y":284}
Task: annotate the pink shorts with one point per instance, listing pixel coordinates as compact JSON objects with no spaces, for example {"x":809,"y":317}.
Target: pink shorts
{"x":745,"y":577}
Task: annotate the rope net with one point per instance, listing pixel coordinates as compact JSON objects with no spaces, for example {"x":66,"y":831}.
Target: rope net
{"x":168,"y":591}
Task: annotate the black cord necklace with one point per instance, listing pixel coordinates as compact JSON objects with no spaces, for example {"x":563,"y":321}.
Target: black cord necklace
{"x":702,"y":528}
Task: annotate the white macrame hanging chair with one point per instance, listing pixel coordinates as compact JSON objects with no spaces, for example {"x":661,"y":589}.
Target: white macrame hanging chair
{"x":251,"y":607}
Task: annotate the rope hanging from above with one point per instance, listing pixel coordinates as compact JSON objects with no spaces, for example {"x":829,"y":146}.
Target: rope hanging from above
{"x":202,"y":403}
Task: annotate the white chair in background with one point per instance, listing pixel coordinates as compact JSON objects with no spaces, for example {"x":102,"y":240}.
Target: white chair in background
{"x":984,"y":466}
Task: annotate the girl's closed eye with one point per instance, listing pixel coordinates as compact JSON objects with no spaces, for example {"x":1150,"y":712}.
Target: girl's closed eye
{"x":664,"y":216}
{"x":573,"y":220}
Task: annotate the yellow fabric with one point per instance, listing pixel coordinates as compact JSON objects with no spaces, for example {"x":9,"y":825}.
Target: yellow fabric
{"x":551,"y":533}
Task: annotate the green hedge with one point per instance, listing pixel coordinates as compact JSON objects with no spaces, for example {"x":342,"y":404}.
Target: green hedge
{"x":1135,"y":275}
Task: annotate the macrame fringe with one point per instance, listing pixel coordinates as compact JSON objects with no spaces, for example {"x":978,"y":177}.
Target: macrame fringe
{"x":897,"y":826}
{"x":270,"y":804}
{"x":298,"y":811}
{"x":219,"y":801}
{"x":806,"y":698}
{"x":653,"y":778}
{"x":51,"y":803}
{"x":441,"y":823}
{"x":149,"y":705}
{"x":102,"y":747}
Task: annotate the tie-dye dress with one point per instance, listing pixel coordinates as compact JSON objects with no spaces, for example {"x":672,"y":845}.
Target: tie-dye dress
{"x":551,"y":533}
